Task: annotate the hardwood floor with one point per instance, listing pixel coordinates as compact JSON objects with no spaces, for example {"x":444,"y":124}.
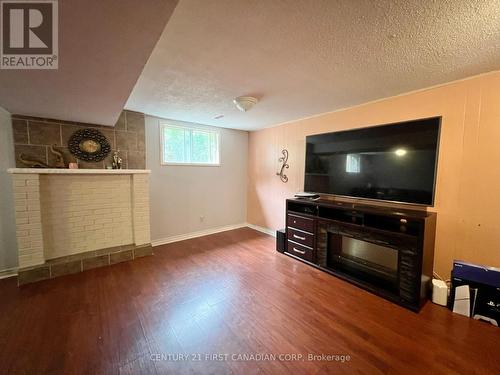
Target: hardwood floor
{"x":228,"y":293}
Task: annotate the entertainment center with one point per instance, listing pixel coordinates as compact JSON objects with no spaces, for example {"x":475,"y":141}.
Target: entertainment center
{"x":387,"y":251}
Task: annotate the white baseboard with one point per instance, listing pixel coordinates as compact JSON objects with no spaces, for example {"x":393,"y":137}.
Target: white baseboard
{"x":187,"y":236}
{"x":262,"y":229}
{"x":206,"y":232}
{"x":8,"y":273}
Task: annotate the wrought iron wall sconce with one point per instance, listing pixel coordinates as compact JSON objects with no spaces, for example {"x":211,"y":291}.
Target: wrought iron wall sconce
{"x":283,"y":161}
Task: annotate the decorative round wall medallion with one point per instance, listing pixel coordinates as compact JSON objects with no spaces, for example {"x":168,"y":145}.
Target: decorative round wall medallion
{"x":89,"y":145}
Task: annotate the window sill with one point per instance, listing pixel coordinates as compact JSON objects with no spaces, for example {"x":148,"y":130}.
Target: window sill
{"x":190,"y":165}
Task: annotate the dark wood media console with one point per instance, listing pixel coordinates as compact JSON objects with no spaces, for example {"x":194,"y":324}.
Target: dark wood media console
{"x":387,"y":251}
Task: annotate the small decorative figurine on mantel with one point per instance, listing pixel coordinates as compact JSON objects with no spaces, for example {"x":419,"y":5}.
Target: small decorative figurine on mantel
{"x":117,"y":161}
{"x":59,"y":157}
{"x":31,"y":162}
{"x":34,"y":163}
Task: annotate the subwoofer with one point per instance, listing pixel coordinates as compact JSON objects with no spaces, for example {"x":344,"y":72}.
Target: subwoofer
{"x":281,"y":240}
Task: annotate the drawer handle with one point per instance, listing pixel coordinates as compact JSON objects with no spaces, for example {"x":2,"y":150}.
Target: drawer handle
{"x":299,"y":238}
{"x":295,"y":222}
{"x":299,"y":251}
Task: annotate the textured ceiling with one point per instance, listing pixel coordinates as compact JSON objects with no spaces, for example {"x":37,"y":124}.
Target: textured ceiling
{"x":307,"y":57}
{"x":103,"y":47}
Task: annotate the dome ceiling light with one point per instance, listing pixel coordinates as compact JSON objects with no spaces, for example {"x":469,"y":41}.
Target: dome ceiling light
{"x":245,"y":103}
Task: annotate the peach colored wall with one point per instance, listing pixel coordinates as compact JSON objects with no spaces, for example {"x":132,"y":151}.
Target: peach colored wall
{"x":468,"y":180}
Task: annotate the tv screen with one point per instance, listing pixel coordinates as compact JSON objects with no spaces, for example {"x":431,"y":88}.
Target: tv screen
{"x":395,"y":162}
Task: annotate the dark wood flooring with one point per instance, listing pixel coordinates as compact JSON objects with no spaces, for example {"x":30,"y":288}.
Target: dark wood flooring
{"x":228,"y":293}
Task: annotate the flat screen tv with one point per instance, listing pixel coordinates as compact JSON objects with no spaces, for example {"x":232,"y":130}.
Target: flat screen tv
{"x":394,"y":162}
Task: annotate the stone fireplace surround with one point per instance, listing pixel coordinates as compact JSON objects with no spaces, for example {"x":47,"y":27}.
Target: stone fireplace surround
{"x":69,"y":220}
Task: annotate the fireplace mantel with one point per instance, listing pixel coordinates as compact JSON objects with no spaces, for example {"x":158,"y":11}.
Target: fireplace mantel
{"x":76,"y":171}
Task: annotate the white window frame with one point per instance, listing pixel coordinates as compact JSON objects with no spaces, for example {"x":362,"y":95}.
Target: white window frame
{"x":163,"y":125}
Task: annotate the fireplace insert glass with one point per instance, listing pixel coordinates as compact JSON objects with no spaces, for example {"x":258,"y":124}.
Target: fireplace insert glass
{"x":366,"y":261}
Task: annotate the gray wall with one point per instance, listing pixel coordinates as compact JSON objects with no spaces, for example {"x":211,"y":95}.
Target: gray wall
{"x":181,"y":194}
{"x":8,"y":245}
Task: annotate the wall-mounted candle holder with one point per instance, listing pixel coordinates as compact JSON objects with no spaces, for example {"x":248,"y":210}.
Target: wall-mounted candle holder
{"x":283,"y":161}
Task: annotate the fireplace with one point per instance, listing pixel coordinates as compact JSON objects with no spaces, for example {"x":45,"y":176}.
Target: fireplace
{"x":71,"y":220}
{"x":384,"y":261}
{"x":361,"y":259}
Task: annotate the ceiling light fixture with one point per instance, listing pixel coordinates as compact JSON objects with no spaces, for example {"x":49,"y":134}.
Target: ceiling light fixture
{"x":400,"y":152}
{"x":245,"y":103}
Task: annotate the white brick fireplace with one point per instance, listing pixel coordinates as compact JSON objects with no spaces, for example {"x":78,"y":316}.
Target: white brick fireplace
{"x":63,"y":212}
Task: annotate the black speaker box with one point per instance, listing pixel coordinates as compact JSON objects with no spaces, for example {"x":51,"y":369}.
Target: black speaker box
{"x":281,"y":240}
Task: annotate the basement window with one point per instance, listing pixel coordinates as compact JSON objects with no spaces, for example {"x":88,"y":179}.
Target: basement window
{"x":183,"y":145}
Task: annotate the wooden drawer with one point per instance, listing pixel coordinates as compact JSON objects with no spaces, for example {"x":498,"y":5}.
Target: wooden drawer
{"x":300,"y":237}
{"x":300,"y":222}
{"x":300,"y":251}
